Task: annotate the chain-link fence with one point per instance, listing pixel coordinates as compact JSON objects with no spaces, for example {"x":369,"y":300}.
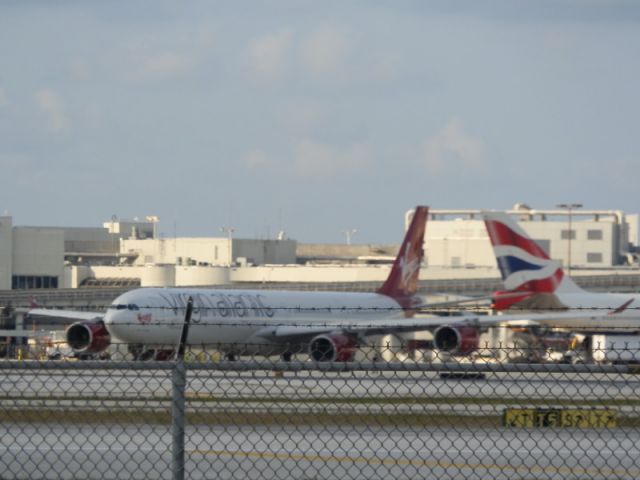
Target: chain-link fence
{"x":418,"y":416}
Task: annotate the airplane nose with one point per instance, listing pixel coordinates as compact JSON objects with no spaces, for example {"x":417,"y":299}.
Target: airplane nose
{"x":110,"y":317}
{"x":116,"y":321}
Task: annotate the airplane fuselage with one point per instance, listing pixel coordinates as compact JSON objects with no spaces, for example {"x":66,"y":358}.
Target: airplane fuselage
{"x":156,"y":315}
{"x":594,"y":312}
{"x":606,"y":304}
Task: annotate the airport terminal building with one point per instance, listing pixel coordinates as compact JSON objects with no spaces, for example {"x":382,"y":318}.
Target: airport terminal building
{"x":583,"y":238}
{"x":130,"y":253}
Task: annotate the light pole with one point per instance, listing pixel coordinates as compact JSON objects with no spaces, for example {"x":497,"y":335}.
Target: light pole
{"x":114,"y":219}
{"x":569,"y":207}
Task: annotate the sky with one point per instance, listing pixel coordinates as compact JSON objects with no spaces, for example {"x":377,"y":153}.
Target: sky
{"x":314,"y":117}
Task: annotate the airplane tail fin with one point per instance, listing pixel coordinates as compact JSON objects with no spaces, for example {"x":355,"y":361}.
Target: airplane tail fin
{"x":33,"y":303}
{"x":524,"y":265}
{"x":402,"y":281}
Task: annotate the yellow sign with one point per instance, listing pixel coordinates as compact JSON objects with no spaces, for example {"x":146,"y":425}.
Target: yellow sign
{"x":560,"y":418}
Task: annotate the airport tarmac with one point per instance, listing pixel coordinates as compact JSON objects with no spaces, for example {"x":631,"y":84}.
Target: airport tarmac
{"x":203,"y":384}
{"x":144,"y":451}
{"x":101,"y":424}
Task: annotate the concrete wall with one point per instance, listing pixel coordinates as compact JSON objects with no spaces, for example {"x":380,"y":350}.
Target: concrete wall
{"x":169,"y":275}
{"x":84,"y":240}
{"x":38,"y":252}
{"x":348,"y":273}
{"x":130,"y":228}
{"x":210,"y":251}
{"x":158,"y":276}
{"x":260,"y":252}
{"x":74,"y":275}
{"x":584,"y":251}
{"x":465,"y":243}
{"x":458,"y":243}
{"x":6,"y":252}
{"x":213,"y":251}
{"x":632,"y":228}
{"x":150,"y":275}
{"x":337,"y":250}
{"x":182,"y":251}
{"x":201,"y":276}
{"x":303,"y":273}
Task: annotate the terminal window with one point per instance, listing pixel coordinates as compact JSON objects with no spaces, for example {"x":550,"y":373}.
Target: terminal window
{"x":27,"y":282}
{"x":594,"y":257}
{"x":594,"y":234}
{"x":544,"y":244}
{"x":566,"y":234}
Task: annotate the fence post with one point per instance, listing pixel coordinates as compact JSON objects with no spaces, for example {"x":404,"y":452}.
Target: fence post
{"x":179,"y":380}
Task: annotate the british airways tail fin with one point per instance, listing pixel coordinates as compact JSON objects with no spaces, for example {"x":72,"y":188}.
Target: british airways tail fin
{"x":402,"y":281}
{"x":524,"y":266}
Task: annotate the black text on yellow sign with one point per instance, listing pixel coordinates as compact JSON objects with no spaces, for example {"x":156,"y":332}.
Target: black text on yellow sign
{"x":560,"y":418}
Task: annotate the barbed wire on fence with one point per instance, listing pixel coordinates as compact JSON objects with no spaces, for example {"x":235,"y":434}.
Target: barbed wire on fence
{"x":422,"y":308}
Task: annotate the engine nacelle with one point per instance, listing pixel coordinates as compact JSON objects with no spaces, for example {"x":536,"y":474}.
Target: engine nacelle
{"x":456,"y":340}
{"x":332,"y":347}
{"x":88,"y":337}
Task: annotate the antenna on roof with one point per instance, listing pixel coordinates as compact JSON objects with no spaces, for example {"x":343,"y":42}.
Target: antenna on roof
{"x":349,"y":233}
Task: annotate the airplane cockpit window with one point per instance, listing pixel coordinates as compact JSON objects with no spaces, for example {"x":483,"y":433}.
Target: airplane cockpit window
{"x":122,"y":306}
{"x":118,"y":306}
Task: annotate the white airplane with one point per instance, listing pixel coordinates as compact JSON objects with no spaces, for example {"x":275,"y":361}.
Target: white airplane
{"x":329,"y":325}
{"x":534,"y":282}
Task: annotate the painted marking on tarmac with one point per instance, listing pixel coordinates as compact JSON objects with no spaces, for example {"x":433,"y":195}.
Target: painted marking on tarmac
{"x":589,"y":471}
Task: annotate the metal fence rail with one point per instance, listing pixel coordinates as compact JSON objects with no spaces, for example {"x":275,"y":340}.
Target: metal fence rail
{"x":254,"y":418}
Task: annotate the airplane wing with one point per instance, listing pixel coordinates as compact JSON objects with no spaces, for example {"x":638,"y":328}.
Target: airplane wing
{"x":484,"y":301}
{"x":364,"y":328}
{"x":70,"y":314}
{"x":457,"y":335}
{"x":481,"y":302}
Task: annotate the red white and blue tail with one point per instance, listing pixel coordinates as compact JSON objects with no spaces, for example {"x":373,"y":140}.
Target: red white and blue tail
{"x":524,"y":266}
{"x":402,"y":282}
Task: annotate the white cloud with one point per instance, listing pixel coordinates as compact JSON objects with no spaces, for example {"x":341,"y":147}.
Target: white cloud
{"x":52,"y":106}
{"x":11,"y":161}
{"x":256,"y":159}
{"x":269,"y":54}
{"x":325,"y":52}
{"x":142,"y":65}
{"x":203,"y":37}
{"x":26,"y":172}
{"x":166,"y":64}
{"x":385,"y":66}
{"x":451,"y":149}
{"x":303,"y":115}
{"x":79,"y":69}
{"x":313,"y":159}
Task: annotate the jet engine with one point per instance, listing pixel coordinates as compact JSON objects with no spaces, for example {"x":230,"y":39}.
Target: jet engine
{"x":332,"y":347}
{"x":460,"y":340}
{"x":88,"y":337}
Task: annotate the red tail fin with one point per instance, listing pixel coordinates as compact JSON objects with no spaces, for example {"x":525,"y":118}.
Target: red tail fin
{"x":33,"y":303}
{"x":403,"y":278}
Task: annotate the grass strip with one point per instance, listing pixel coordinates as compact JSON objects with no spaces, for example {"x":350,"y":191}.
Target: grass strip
{"x":403,"y":400}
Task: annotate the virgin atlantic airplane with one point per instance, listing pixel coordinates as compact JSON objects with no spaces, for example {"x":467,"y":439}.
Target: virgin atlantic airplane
{"x":328,"y":325}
